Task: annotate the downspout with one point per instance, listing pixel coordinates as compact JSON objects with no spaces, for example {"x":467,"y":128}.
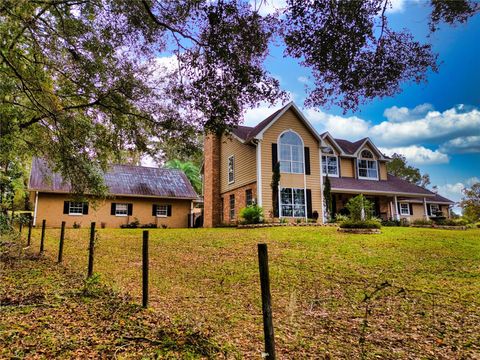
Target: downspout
{"x":425,"y":208}
{"x":322,"y":200}
{"x":35,"y":208}
{"x":259,"y":173}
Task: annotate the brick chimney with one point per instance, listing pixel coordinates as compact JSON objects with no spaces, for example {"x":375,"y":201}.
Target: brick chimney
{"x":211,"y":177}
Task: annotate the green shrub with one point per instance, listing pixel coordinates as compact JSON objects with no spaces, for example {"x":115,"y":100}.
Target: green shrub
{"x":365,"y":224}
{"x":340,"y":218}
{"x":477,"y":225}
{"x":461,"y":222}
{"x":422,"y":222}
{"x":360,"y":208}
{"x":391,"y":222}
{"x":252,"y":214}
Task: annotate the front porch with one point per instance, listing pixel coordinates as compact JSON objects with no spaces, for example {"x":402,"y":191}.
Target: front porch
{"x":385,"y":206}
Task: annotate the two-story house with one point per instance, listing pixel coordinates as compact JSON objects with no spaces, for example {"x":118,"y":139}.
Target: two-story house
{"x":238,"y":170}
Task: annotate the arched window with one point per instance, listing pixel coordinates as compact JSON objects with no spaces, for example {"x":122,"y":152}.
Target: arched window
{"x":366,"y":154}
{"x":291,"y":153}
{"x":367,"y":166}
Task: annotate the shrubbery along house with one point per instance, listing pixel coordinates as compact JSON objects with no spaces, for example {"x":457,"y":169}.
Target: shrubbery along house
{"x":238,"y":169}
{"x":158,"y":197}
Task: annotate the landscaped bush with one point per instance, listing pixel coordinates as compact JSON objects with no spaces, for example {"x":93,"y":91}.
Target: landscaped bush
{"x":391,"y":222}
{"x":340,"y":218}
{"x":422,"y":222}
{"x":360,"y":217}
{"x":461,"y":222}
{"x":478,"y":225}
{"x":365,"y":224}
{"x":133,"y":225}
{"x":252,"y":214}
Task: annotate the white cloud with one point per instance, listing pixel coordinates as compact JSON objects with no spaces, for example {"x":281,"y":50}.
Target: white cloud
{"x":303,"y":79}
{"x":418,"y":155}
{"x":350,"y":128}
{"x":455,"y":191}
{"x":467,"y":144}
{"x":267,"y":7}
{"x":400,"y":114}
{"x":433,"y":127}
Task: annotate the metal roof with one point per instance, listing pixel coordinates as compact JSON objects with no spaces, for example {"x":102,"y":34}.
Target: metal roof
{"x":126,"y":180}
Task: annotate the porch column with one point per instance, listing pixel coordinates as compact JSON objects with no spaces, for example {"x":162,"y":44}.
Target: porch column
{"x":397,"y":216}
{"x":425,"y":208}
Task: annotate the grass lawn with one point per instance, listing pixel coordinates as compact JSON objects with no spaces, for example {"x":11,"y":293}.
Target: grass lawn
{"x":407,"y":293}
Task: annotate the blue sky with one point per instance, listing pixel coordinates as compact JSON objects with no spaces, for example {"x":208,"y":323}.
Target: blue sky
{"x":436,"y":125}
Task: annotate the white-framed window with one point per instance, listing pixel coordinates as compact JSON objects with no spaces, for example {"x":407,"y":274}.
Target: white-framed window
{"x":291,"y":153}
{"x":292,"y":202}
{"x":404,"y":209}
{"x":121,"y":209}
{"x":329,"y":165}
{"x":434,"y":208}
{"x":75,"y":208}
{"x":231,"y":169}
{"x":367,"y":166}
{"x":162,"y":210}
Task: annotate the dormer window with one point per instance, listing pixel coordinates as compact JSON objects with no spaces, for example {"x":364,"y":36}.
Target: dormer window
{"x":367,"y":166}
{"x":291,"y":153}
{"x":329,"y":165}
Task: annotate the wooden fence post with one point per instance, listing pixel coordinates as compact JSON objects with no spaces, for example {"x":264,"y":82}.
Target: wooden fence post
{"x":266,"y":302}
{"x":20,"y":228}
{"x":91,"y":249}
{"x":60,"y":246}
{"x":29,"y":239}
{"x":145,"y":269}
{"x":42,"y":239}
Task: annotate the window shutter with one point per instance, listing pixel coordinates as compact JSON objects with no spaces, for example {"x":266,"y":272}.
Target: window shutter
{"x":274,"y":155}
{"x":85,"y":208}
{"x":429,"y":211}
{"x":411,"y":208}
{"x":309,"y":203}
{"x":130,"y":209}
{"x":113,"y":209}
{"x":154,"y":210}
{"x":169,"y":210}
{"x":66,"y":205}
{"x":307,"y":160}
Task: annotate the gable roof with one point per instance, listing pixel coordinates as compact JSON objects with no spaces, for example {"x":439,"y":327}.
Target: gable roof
{"x":247,"y":133}
{"x":126,"y":180}
{"x":393,"y":185}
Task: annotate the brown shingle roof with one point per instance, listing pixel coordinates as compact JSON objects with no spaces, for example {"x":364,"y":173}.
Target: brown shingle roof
{"x":393,"y":185}
{"x":348,"y":146}
{"x":246,"y":133}
{"x":120,"y":180}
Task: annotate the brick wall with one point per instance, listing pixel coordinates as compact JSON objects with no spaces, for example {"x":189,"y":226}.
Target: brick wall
{"x":240,"y":202}
{"x":211,"y":178}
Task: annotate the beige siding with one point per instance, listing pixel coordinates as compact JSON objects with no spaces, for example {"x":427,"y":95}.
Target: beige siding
{"x":346,"y":167}
{"x":289,"y":120}
{"x":245,"y":163}
{"x":383,"y":170}
{"x":50,"y":208}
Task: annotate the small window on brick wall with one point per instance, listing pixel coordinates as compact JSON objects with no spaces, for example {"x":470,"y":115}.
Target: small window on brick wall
{"x":249,"y":197}
{"x":232,"y":207}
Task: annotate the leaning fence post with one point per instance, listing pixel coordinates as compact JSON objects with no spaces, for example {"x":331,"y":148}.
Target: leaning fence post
{"x":266,"y":302}
{"x":90,"y":250}
{"x":29,"y":239}
{"x":145,"y":269}
{"x":42,"y":239}
{"x":60,"y":245}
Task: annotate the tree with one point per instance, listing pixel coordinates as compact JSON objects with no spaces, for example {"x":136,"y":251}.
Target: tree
{"x":274,"y":185}
{"x":470,"y":203}
{"x":360,"y":208}
{"x":327,"y":197}
{"x":398,"y":167}
{"x":82,"y":81}
{"x":192,"y":172}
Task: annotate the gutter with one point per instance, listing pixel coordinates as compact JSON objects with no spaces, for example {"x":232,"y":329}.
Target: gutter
{"x":379,"y":192}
